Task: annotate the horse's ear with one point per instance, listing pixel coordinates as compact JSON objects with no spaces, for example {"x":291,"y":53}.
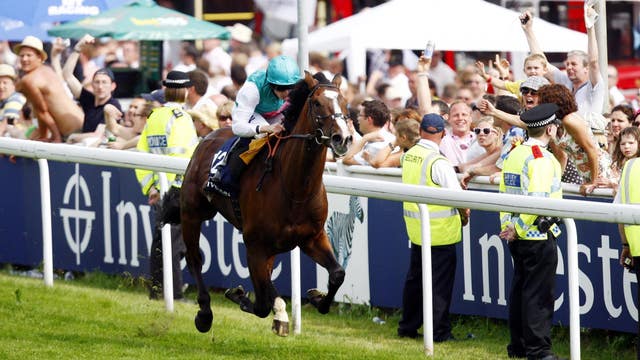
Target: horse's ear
{"x":337,"y":80}
{"x":308,"y":78}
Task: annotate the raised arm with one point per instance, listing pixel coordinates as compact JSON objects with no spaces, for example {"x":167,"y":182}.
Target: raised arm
{"x":590,"y":17}
{"x":486,"y":108}
{"x":422,"y":86}
{"x":67,"y":71}
{"x":532,"y":40}
{"x":526,"y":21}
{"x":57,"y":48}
{"x":496,"y":82}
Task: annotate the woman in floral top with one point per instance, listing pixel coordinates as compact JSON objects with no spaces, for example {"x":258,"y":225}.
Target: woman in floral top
{"x":575,"y":139}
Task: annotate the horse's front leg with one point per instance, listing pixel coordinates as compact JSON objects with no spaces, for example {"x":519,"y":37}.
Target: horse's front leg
{"x":260,"y":267}
{"x":266,"y":295}
{"x":321,"y":252}
{"x":191,"y":236}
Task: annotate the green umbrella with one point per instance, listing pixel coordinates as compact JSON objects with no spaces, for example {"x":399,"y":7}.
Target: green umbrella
{"x":141,"y":20}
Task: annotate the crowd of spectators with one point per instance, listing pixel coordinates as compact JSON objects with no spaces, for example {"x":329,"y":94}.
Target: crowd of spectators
{"x":473,"y":99}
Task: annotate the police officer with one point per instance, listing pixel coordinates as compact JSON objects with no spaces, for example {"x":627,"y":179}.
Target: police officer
{"x":424,"y":165}
{"x":169,"y":131}
{"x":629,"y":193}
{"x":531,"y":170}
{"x":258,"y":107}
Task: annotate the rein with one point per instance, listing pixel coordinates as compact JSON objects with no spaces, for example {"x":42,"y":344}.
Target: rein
{"x":318,"y":135}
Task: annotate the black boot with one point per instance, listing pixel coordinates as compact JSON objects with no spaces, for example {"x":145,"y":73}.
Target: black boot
{"x":226,"y":179}
{"x":235,"y":164}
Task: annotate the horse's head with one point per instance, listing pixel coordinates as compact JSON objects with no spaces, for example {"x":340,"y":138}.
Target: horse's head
{"x":328,"y":112}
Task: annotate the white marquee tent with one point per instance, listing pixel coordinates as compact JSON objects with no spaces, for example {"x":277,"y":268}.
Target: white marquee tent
{"x":457,"y":25}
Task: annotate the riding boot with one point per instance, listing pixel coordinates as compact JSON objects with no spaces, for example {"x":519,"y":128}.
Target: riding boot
{"x":235,"y":163}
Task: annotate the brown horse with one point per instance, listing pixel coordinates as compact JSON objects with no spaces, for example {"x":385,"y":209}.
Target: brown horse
{"x":288,"y":210}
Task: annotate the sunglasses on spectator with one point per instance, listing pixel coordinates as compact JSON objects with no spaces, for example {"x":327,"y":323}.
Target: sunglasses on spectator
{"x":485,"y":131}
{"x":224,"y":117}
{"x":282,"y":87}
{"x":527,"y":91}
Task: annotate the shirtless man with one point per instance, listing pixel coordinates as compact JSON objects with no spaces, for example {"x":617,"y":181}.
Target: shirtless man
{"x":55,"y":111}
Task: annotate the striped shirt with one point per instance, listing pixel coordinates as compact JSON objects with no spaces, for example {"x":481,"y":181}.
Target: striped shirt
{"x":11,"y":106}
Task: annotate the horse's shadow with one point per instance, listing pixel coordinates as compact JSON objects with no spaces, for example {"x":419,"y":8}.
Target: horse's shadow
{"x":289,"y":210}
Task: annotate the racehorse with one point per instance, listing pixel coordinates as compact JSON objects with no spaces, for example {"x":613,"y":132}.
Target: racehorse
{"x":282,"y":199}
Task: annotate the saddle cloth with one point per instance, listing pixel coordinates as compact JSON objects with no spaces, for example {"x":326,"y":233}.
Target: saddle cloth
{"x":228,"y":186}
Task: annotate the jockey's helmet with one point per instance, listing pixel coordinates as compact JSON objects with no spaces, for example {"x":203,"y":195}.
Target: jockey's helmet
{"x":282,"y":70}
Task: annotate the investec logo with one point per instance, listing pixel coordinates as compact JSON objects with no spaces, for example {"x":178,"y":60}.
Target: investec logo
{"x":78,"y":218}
{"x":78,"y":238}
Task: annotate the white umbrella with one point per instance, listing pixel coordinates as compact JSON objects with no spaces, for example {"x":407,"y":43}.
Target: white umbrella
{"x":457,"y":25}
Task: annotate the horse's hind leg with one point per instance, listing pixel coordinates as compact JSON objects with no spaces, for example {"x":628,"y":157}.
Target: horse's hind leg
{"x":191,"y":236}
{"x":320,"y":251}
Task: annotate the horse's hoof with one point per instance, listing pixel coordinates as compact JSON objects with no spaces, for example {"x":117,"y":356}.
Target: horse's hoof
{"x":235,"y":294}
{"x":280,"y":328}
{"x":203,"y":321}
{"x":315,"y":296}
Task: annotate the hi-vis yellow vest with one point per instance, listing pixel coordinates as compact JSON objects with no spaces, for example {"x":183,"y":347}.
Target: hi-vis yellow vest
{"x":169,"y":131}
{"x":630,"y":194}
{"x":533,"y":171}
{"x":446,"y":227}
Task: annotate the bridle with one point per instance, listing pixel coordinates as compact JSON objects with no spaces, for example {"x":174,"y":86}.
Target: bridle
{"x":319,"y":135}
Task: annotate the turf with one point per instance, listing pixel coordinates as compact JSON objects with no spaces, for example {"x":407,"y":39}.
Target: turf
{"x":110,"y":317}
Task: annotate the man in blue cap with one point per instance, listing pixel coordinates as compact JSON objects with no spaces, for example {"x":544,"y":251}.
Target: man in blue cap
{"x":424,"y":165}
{"x":531,"y":170}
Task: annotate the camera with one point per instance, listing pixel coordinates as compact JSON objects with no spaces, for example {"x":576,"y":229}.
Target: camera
{"x":544,"y":223}
{"x":628,"y":265}
{"x":525,"y":19}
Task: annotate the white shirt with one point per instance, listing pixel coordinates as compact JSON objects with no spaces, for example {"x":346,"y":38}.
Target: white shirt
{"x":373,"y":147}
{"x":616,"y":96}
{"x":246,"y":101}
{"x":590,"y":98}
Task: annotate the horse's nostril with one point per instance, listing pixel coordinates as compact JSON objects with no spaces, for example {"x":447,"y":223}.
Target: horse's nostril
{"x":336,"y":138}
{"x":348,"y":139}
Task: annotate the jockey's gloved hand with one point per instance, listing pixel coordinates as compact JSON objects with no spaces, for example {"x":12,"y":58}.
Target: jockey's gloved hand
{"x":273,"y":128}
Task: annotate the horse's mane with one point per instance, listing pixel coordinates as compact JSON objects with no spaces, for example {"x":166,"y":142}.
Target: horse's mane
{"x":297,"y":98}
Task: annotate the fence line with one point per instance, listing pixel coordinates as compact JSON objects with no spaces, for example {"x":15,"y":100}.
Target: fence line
{"x":568,"y":209}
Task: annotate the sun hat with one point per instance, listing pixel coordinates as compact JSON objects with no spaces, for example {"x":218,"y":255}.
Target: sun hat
{"x":34,"y":43}
{"x":240,"y":32}
{"x":8,"y":71}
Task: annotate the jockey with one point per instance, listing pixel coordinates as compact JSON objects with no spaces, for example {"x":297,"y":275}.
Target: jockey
{"x":258,"y":108}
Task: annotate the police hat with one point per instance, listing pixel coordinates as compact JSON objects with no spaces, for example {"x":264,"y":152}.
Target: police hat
{"x":177,"y":79}
{"x":539,"y":116}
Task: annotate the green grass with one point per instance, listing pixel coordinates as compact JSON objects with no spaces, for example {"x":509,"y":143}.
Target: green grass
{"x":109,"y":317}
